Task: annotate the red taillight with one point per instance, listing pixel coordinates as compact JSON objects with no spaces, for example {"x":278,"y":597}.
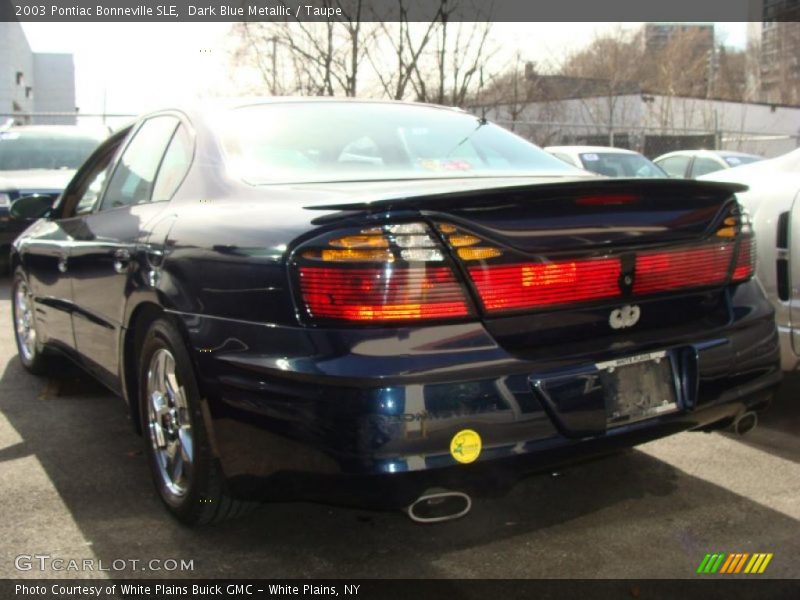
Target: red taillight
{"x":393,"y":272}
{"x":745,"y":261}
{"x":381,"y":293}
{"x":534,"y":285}
{"x":685,"y":268}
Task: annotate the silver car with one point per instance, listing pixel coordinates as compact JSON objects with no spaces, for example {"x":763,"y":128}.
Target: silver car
{"x":693,"y":164}
{"x":773,"y":202}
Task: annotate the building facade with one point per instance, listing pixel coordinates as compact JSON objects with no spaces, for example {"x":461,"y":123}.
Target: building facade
{"x":658,"y":35}
{"x":775,"y":41}
{"x":33,"y":82}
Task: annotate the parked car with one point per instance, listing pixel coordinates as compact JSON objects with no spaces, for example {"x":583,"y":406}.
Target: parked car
{"x":37,"y":160}
{"x":611,"y":162}
{"x":773,"y":201}
{"x":690,"y":164}
{"x":286,"y":323}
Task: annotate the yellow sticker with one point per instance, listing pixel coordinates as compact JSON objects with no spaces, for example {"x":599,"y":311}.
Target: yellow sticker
{"x":465,"y":446}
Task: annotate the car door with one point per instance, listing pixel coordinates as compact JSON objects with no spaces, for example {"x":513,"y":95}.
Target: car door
{"x":46,"y":249}
{"x":105,"y":251}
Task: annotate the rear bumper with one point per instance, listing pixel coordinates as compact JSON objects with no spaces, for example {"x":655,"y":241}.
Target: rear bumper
{"x":367,"y":416}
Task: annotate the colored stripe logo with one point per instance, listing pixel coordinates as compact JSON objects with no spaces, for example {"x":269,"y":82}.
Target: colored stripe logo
{"x":736,"y":562}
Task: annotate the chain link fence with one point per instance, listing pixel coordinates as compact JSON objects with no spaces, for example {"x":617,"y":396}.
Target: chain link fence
{"x":108,"y":122}
{"x":651,"y":141}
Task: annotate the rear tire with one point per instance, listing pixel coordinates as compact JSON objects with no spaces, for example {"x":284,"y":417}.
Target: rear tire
{"x":187,"y":475}
{"x":29,"y":349}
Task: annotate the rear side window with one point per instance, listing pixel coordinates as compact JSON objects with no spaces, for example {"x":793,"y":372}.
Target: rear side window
{"x":703,"y":165}
{"x":174,"y":166}
{"x":133,"y":179}
{"x":675,"y":166}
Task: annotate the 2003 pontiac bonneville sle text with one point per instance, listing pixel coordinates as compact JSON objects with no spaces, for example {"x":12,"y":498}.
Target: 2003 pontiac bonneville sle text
{"x":384,"y":304}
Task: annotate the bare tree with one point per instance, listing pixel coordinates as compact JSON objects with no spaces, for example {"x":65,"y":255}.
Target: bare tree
{"x":406,"y":42}
{"x":730,"y":77}
{"x":459,"y":59}
{"x":309,"y":58}
{"x":611,"y":66}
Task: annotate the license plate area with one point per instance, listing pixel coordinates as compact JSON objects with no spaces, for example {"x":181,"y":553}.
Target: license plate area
{"x":638,"y":388}
{"x":590,"y":399}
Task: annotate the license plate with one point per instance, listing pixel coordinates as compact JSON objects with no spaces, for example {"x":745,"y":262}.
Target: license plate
{"x":637,"y":388}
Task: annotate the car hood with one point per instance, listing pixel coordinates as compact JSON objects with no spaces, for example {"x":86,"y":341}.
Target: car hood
{"x":775,"y":181}
{"x":36,"y":179}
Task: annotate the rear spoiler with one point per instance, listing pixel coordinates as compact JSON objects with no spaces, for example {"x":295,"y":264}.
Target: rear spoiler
{"x":538,"y":191}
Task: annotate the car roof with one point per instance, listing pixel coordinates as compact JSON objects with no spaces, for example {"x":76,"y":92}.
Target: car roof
{"x":717,"y":153}
{"x":590,"y":149}
{"x":211,"y":106}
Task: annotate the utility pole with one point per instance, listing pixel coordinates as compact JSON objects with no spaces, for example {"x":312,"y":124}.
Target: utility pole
{"x":274,"y":86}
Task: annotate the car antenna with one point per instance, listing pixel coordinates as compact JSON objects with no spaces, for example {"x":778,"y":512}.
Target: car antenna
{"x":481,"y":122}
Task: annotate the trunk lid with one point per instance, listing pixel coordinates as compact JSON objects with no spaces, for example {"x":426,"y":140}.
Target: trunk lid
{"x":558,"y":215}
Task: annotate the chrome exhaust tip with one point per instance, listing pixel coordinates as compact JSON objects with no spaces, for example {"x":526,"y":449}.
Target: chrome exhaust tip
{"x":745,"y":422}
{"x":438,"y":506}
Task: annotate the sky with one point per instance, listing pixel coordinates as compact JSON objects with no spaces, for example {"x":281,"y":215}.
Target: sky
{"x":136,"y":67}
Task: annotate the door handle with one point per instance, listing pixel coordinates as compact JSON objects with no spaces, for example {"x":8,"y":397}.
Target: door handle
{"x":122,"y":259}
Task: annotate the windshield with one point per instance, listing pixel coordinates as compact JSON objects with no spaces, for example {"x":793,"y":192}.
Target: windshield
{"x":621,"y":165}
{"x":330,"y":141}
{"x":23,"y":151}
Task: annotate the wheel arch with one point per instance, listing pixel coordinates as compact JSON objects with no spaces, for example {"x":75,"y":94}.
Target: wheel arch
{"x":140,"y":317}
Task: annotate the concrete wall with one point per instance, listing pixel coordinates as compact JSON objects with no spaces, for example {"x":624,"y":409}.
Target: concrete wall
{"x":746,"y":127}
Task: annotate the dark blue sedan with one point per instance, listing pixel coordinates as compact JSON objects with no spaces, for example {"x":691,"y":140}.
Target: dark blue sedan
{"x":386,"y":305}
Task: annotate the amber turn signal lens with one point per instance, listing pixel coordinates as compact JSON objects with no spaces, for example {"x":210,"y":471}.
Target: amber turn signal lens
{"x":731,"y":221}
{"x":478,"y":253}
{"x":360,"y":241}
{"x":350,"y":255}
{"x":458,"y":241}
{"x":727,"y":232}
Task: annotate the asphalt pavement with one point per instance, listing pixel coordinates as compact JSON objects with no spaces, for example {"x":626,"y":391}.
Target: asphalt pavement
{"x":74,"y":486}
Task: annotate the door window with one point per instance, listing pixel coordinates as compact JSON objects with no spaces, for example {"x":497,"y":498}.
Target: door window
{"x":133,"y":179}
{"x":174,"y":166}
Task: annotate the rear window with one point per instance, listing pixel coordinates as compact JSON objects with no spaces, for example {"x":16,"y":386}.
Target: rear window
{"x":620,"y":165}
{"x":330,"y":141}
{"x":23,"y":151}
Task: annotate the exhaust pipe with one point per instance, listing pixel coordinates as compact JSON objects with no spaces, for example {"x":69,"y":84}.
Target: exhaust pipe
{"x":437,"y":506}
{"x":745,"y":422}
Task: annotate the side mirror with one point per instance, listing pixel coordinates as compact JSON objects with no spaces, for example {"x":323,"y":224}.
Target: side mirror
{"x":29,"y":208}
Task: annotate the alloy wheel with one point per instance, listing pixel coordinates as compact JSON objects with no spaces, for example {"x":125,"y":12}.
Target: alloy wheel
{"x":169,"y":424}
{"x":23,"y":313}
